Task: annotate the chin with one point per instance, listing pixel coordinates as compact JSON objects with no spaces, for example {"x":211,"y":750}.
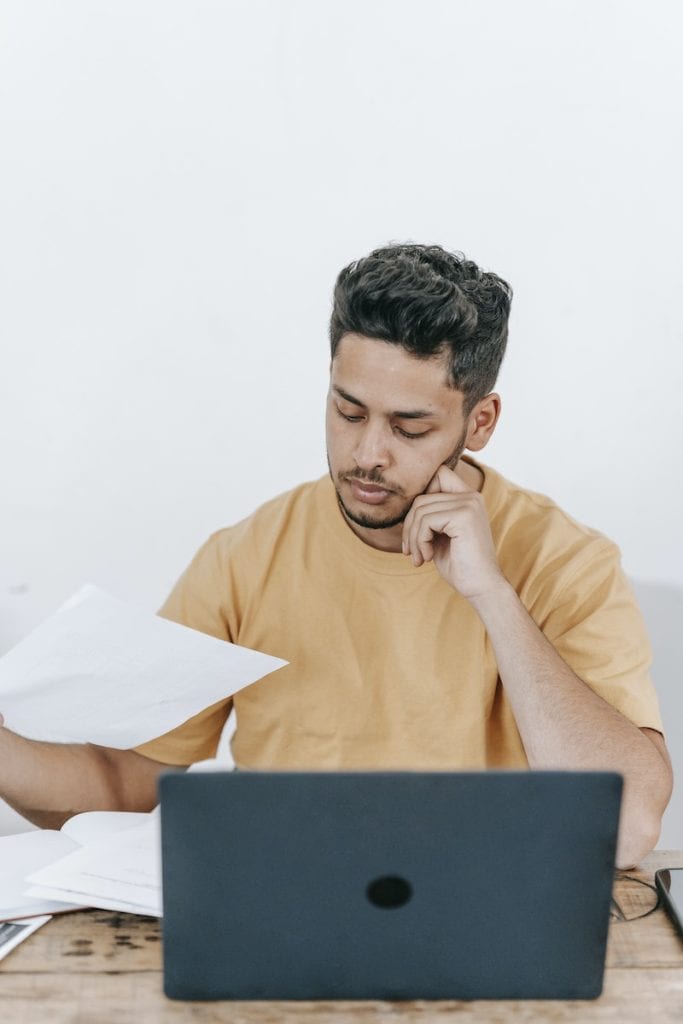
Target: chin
{"x":361,"y":517}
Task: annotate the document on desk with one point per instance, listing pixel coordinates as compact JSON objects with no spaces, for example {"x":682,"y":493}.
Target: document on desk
{"x":101,"y":671}
{"x":118,"y":872}
{"x":27,"y":852}
{"x":19,"y":855}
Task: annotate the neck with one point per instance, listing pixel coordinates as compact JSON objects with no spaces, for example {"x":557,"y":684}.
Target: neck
{"x":388,"y":539}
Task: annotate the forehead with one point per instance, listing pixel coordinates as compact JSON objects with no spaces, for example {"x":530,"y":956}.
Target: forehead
{"x":383,"y":375}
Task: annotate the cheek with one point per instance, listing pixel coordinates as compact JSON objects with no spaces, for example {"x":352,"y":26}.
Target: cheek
{"x":421,"y":465}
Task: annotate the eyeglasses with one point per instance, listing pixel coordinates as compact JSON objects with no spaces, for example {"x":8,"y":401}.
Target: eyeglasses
{"x":636,"y":899}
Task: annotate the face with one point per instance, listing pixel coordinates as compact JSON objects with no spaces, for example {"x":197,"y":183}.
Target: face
{"x":392,"y":420}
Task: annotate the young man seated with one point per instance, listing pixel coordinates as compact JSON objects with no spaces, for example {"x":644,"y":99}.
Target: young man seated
{"x":433,"y":614}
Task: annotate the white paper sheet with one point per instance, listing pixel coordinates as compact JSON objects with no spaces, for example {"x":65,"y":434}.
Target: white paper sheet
{"x":43,"y":892}
{"x":101,"y":671}
{"x":90,"y":826}
{"x":119,"y":869}
{"x":24,"y":853}
{"x":29,"y":851}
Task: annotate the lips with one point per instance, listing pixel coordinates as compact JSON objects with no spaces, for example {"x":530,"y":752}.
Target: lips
{"x":371,"y":494}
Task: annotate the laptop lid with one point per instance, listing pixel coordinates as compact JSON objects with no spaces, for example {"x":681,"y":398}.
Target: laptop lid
{"x":387,"y":885}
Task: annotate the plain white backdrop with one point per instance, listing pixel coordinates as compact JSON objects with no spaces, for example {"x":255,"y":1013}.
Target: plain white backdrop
{"x":181,"y":183}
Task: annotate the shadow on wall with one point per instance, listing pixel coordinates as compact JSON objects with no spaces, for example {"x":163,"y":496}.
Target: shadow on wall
{"x":662,"y":607}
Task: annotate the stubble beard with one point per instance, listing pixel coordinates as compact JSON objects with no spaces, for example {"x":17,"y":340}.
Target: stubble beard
{"x":368,"y":522}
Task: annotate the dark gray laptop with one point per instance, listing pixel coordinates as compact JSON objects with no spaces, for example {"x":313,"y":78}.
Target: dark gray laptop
{"x":387,"y":885}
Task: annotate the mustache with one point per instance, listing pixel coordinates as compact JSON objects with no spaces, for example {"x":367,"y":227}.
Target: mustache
{"x":372,"y":476}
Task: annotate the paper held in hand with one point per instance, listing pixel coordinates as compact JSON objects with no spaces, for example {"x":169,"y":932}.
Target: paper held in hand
{"x":101,"y":671}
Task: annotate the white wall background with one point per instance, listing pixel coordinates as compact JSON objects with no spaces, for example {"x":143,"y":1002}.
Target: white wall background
{"x":180,"y":184}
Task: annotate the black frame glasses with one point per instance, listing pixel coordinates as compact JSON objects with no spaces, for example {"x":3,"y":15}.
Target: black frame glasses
{"x":617,"y":912}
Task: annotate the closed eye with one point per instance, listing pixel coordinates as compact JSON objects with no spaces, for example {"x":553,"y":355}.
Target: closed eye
{"x":399,"y":430}
{"x":413,"y":437}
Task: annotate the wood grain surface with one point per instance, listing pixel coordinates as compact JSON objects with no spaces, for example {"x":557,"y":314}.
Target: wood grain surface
{"x":100,"y":967}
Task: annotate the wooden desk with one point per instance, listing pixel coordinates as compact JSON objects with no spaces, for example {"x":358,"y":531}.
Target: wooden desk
{"x":98,"y":967}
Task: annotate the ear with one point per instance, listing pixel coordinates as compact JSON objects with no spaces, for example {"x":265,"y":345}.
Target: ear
{"x":482,"y":422}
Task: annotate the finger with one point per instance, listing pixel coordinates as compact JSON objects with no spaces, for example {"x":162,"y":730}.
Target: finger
{"x":439,"y":522}
{"x":433,"y":486}
{"x":427,"y":522}
{"x":407,"y":527}
{"x":425,"y":504}
{"x":419,"y":543}
{"x":447,"y":481}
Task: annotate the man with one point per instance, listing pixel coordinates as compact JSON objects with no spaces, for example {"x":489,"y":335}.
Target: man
{"x":434,"y":616}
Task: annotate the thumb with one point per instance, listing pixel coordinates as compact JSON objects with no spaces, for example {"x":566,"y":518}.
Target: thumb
{"x":447,"y":481}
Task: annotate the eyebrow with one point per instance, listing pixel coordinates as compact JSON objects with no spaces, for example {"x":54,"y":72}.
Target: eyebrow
{"x":413,"y":414}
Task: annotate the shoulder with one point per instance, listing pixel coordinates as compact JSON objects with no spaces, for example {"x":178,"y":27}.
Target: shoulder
{"x":538,"y":543}
{"x":267,"y":526}
{"x":234,"y":560}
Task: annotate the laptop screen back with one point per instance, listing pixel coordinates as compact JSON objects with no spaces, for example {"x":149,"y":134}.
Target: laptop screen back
{"x":387,"y":885}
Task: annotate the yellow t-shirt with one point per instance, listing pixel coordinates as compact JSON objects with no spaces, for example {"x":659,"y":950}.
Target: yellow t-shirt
{"x":389,"y":667}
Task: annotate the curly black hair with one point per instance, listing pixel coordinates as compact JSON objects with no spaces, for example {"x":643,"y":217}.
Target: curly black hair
{"x":430,"y":302}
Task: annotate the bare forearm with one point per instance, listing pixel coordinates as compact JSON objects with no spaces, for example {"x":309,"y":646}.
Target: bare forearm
{"x":49,"y":782}
{"x":565,"y":724}
{"x":562,"y":722}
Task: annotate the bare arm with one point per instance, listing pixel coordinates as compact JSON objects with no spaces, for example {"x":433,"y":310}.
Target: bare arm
{"x":49,"y":782}
{"x":565,"y":724}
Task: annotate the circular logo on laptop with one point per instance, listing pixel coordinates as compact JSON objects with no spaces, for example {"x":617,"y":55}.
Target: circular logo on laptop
{"x":389,"y":891}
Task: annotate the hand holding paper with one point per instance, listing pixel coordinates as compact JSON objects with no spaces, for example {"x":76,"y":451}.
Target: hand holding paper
{"x":100,"y":671}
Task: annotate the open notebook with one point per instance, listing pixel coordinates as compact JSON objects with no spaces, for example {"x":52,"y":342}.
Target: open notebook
{"x":106,"y":859}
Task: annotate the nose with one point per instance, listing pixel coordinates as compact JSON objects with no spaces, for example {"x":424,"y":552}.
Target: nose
{"x":372,"y":449}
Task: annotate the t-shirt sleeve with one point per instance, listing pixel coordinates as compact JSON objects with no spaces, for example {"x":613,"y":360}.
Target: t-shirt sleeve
{"x":198,"y":601}
{"x":592,"y":619}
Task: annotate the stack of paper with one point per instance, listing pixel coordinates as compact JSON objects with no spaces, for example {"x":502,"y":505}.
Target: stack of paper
{"x":105,"y":859}
{"x":20,"y":856}
{"x":117,"y":872}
